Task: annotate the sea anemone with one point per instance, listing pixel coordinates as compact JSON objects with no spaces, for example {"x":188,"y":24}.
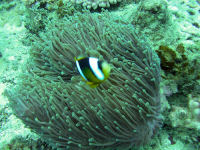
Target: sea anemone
{"x":52,"y":100}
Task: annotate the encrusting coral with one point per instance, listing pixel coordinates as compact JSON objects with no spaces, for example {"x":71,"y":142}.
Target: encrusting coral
{"x":51,"y":98}
{"x":187,"y":117}
{"x":194,"y":107}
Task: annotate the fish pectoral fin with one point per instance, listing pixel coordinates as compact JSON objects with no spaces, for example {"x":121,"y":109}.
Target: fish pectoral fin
{"x":84,"y":79}
{"x":92,"y":85}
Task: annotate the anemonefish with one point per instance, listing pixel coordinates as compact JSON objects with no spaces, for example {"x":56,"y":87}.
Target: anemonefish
{"x":92,"y":70}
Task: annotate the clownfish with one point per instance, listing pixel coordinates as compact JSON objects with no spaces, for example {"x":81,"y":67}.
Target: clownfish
{"x":92,"y":70}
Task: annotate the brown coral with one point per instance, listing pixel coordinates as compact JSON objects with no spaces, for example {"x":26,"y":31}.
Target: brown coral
{"x":181,"y":67}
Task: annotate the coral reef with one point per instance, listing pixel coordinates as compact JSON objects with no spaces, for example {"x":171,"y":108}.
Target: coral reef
{"x":186,"y":15}
{"x":8,"y":16}
{"x":7,"y":4}
{"x":21,"y":143}
{"x":186,"y":119}
{"x":168,"y":24}
{"x":181,"y":67}
{"x":40,"y":12}
{"x":194,"y":108}
{"x":150,"y":10}
{"x":88,"y":4}
{"x":154,"y":19}
{"x":51,"y":99}
{"x":94,"y":4}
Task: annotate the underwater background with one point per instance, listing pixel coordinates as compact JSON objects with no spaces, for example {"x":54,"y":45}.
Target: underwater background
{"x":38,"y":43}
